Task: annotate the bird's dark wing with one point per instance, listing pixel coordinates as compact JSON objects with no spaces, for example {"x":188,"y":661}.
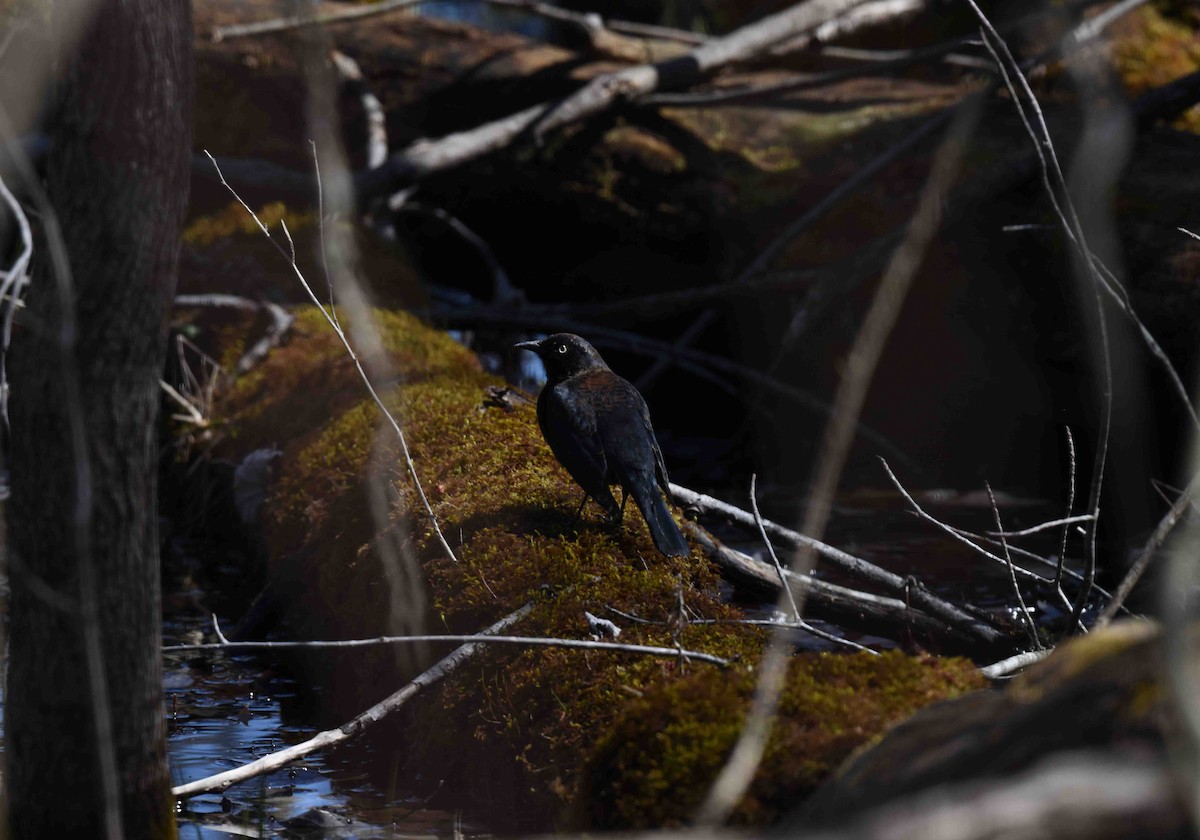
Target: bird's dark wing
{"x":660,"y":467}
{"x":622,"y":425}
{"x":634,"y":459}
{"x":568,"y":421}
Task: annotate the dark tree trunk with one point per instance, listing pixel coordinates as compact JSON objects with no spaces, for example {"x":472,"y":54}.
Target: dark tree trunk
{"x":84,"y":717}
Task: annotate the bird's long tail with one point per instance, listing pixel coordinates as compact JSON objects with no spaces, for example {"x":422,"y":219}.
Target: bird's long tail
{"x":662,"y":526}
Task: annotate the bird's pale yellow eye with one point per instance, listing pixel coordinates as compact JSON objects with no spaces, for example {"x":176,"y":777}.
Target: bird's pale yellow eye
{"x":562,"y":348}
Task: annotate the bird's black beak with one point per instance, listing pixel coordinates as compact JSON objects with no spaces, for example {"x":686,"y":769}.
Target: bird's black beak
{"x":535,"y":346}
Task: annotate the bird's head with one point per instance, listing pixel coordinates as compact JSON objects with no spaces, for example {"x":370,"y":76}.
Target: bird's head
{"x":564,"y":354}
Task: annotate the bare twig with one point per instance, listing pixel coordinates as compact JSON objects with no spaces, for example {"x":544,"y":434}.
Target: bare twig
{"x":1026,"y":618}
{"x":756,"y":622}
{"x":265,"y":27}
{"x":783,"y":581}
{"x":1045,"y":526}
{"x":332,"y":321}
{"x":522,"y":641}
{"x":358,"y":724}
{"x":882,"y":64}
{"x":747,"y":753}
{"x":1062,"y":548}
{"x":860,"y":364}
{"x":967,"y":537}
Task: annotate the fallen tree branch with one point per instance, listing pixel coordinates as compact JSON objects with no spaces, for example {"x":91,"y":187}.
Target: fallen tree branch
{"x":953,"y":615}
{"x":1006,"y":667}
{"x":877,"y":615}
{"x":426,"y":157}
{"x":741,"y":45}
{"x":354,"y":726}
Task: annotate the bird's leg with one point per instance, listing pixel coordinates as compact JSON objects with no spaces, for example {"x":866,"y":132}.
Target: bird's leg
{"x":582,"y":505}
{"x":624,"y":499}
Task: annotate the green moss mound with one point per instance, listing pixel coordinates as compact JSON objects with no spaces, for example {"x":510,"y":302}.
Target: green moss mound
{"x":655,"y":766}
{"x":353,"y":554}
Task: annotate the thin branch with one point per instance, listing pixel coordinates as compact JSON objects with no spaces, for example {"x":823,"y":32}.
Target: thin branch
{"x":882,"y":64}
{"x":1045,"y":526}
{"x":353,"y":727}
{"x":747,"y":753}
{"x":1026,"y":618}
{"x":523,"y":641}
{"x":755,"y":622}
{"x":762,"y":530}
{"x":1057,"y":564}
{"x":878,"y":615}
{"x":1062,"y":549}
{"x":282,"y":24}
{"x":332,"y":321}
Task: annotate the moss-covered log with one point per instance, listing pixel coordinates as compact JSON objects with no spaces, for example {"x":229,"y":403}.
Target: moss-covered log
{"x":515,"y":729}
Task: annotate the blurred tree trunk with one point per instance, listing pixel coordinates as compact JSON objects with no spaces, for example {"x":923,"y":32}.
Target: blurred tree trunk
{"x":84,"y":716}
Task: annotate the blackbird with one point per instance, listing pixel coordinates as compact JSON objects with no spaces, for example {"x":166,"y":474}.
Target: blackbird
{"x":598,"y":426}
